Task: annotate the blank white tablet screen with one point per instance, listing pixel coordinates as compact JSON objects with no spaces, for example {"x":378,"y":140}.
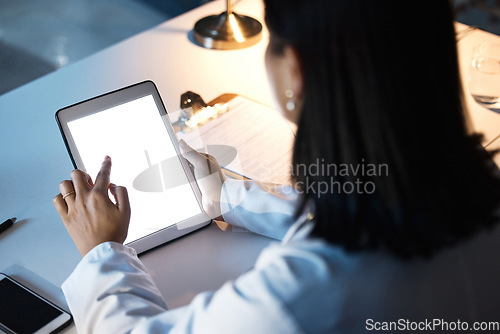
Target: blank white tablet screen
{"x":143,"y":159}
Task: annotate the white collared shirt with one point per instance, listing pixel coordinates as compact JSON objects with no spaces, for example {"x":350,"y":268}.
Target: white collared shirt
{"x":303,"y":285}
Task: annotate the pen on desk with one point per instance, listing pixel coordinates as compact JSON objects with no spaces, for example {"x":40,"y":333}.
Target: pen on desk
{"x":6,"y":224}
{"x":233,"y":175}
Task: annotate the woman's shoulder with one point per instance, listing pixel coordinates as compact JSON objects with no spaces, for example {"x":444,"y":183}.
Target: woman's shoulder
{"x":315,"y":280}
{"x":322,"y":261}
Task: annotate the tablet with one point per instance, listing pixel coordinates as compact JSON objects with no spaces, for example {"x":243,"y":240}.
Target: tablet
{"x":131,"y":125}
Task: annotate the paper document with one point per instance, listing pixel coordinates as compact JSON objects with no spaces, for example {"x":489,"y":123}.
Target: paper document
{"x":250,"y":139}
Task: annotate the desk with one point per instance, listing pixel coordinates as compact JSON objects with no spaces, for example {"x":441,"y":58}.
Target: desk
{"x":33,"y":159}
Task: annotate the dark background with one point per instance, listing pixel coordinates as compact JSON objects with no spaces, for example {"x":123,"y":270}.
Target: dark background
{"x":40,"y":36}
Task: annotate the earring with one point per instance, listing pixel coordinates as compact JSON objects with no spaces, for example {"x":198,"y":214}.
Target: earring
{"x":290,"y":104}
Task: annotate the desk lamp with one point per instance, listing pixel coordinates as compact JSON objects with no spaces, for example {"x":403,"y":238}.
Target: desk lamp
{"x":227,"y":30}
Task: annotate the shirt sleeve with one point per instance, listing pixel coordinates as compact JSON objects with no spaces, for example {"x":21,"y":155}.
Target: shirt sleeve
{"x":262,"y":208}
{"x":110,"y":282}
{"x":110,"y":291}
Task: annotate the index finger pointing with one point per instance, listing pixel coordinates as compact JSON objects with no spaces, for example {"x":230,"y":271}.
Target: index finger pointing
{"x":102,"y":180}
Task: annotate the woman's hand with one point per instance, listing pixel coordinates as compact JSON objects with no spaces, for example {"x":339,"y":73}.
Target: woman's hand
{"x":209,"y":177}
{"x":88,"y":213}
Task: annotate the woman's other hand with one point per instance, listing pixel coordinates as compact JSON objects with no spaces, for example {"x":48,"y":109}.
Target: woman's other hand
{"x":88,"y":213}
{"x":209,"y":177}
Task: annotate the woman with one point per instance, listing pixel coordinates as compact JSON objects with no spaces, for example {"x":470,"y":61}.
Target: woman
{"x":395,"y":227}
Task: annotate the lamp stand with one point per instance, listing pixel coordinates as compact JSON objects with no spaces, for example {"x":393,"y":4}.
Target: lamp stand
{"x":227,"y":30}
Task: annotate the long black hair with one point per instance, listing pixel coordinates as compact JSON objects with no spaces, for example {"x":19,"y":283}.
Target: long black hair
{"x":382,"y":147}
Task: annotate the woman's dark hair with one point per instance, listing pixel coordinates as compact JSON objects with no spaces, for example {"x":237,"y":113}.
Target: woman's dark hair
{"x":382,"y":147}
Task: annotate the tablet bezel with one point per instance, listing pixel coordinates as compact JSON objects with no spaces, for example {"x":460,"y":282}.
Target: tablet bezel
{"x":113,"y":99}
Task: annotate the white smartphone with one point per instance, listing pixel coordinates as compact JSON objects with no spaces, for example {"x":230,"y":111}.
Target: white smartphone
{"x":23,"y":311}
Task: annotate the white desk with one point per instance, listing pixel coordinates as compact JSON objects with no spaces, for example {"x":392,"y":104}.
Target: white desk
{"x":33,"y":160}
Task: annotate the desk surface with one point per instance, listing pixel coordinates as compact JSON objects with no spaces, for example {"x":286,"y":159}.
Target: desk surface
{"x":33,"y":159}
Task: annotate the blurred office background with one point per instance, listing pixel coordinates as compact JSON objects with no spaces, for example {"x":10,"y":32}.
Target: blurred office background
{"x":40,"y":36}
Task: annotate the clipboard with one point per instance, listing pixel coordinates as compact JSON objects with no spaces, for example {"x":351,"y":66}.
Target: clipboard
{"x":250,"y":140}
